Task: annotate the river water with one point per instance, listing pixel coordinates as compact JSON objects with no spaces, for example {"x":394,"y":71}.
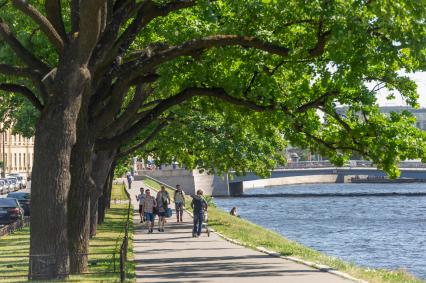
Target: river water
{"x":372,"y":231}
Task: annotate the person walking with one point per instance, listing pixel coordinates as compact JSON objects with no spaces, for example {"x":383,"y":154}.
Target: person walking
{"x":179,"y":197}
{"x":199,"y":205}
{"x":140,"y":198}
{"x":129,"y":178}
{"x":149,"y":204}
{"x":163,"y":201}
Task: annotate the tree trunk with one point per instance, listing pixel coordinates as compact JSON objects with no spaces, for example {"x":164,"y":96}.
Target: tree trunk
{"x":104,"y":199}
{"x":102,"y":162}
{"x":54,"y":139}
{"x":93,"y":216}
{"x":79,"y":206}
{"x":101,"y":208}
{"x":109,"y":189}
{"x":81,"y":189}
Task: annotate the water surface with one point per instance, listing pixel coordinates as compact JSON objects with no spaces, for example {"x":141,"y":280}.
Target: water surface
{"x":378,"y":232}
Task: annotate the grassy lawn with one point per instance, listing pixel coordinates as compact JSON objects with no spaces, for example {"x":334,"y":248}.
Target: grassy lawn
{"x":252,"y":235}
{"x":118,"y":192}
{"x":107,"y":241}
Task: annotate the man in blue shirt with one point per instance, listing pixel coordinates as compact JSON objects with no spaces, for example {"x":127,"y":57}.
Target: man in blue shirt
{"x":199,"y":205}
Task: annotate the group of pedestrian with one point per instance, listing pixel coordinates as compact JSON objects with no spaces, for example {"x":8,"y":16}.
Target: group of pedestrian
{"x":150,"y":206}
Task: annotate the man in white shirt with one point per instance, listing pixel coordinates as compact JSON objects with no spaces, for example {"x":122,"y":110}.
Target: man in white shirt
{"x":141,"y":198}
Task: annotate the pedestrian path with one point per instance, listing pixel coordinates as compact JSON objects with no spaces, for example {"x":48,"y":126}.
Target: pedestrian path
{"x":175,"y":256}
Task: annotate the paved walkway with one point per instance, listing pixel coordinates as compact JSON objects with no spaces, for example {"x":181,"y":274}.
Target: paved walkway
{"x":174,"y":256}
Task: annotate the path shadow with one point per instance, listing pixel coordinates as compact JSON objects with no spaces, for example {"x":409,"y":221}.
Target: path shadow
{"x":217,"y":267}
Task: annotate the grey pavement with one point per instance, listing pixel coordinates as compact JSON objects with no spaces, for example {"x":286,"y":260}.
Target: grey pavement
{"x":175,"y":256}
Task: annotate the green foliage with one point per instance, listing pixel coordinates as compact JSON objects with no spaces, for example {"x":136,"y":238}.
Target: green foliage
{"x":210,"y":201}
{"x":365,"y":43}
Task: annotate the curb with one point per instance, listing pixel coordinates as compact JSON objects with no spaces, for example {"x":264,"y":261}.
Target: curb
{"x":321,"y":267}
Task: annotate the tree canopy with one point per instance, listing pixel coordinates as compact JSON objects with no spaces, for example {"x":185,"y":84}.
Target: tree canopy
{"x":217,"y":85}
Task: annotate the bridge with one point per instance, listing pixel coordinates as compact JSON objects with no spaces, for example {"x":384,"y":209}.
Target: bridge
{"x":293,"y":173}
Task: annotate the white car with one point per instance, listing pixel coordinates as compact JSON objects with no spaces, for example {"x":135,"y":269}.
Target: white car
{"x":6,"y":186}
{"x":13,"y":184}
{"x":3,"y":187}
{"x":21,"y":180}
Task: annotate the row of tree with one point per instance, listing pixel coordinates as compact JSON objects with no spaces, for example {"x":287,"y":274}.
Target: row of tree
{"x":215,"y":85}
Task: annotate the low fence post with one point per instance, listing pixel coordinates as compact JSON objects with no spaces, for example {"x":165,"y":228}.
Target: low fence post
{"x":122,"y":266}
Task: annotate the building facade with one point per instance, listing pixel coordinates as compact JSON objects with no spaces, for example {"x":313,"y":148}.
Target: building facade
{"x":420,"y":114}
{"x":16,"y":153}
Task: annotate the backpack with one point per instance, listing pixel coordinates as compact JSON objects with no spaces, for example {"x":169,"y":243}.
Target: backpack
{"x":164,"y":198}
{"x":199,"y":204}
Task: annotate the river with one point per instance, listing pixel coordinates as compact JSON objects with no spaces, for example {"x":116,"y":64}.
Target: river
{"x":372,"y":231}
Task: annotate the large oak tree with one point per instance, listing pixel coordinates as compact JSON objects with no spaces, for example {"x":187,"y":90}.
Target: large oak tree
{"x":213,"y":84}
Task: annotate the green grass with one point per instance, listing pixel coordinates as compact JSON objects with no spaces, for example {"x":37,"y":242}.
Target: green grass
{"x":108,"y":240}
{"x":252,"y":236}
{"x":118,"y":192}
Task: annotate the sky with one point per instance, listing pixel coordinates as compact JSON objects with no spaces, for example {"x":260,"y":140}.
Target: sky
{"x":420,"y":79}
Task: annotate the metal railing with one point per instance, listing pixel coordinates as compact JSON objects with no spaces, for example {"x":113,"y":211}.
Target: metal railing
{"x":125,"y":243}
{"x":22,"y":263}
{"x":17,"y":225}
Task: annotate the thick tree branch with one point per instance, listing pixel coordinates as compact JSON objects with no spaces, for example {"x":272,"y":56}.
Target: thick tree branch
{"x":166,"y":104}
{"x":192,"y":47}
{"x":24,"y":91}
{"x":26,"y":56}
{"x":42,"y":22}
{"x":320,"y":46}
{"x":339,"y":119}
{"x":54,"y":15}
{"x":18,"y":71}
{"x":89,"y":27}
{"x":28,"y":73}
{"x":122,"y":12}
{"x":116,"y":97}
{"x":146,"y":12}
{"x":75,"y":16}
{"x":316,"y":102}
{"x":149,"y":138}
{"x":126,"y":118}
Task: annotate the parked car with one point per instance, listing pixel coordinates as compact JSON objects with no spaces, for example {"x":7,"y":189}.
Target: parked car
{"x":24,"y":200}
{"x":10,"y":211}
{"x":21,"y":180}
{"x":13,"y":184}
{"x":3,"y":187}
{"x":6,"y":186}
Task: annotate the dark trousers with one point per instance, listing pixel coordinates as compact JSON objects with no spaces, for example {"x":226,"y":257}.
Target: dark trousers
{"x":198,"y":222}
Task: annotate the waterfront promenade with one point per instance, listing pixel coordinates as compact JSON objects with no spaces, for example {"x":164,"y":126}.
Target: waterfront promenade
{"x":174,"y":256}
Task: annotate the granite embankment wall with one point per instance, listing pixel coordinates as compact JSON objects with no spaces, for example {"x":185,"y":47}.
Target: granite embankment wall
{"x":331,"y":178}
{"x":191,"y":180}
